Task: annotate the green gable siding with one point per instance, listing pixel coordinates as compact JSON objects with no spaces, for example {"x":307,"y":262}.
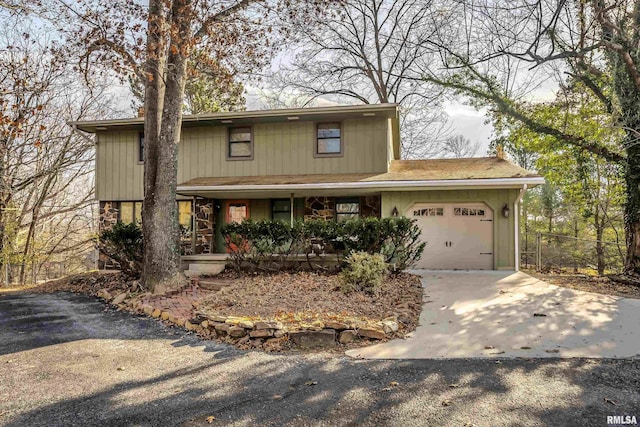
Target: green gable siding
{"x":279,"y":149}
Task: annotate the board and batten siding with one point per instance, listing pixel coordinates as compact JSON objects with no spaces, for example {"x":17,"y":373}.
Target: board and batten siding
{"x":503,"y":228}
{"x":279,"y":149}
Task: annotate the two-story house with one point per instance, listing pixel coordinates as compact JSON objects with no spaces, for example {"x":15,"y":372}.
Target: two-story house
{"x":332,"y":163}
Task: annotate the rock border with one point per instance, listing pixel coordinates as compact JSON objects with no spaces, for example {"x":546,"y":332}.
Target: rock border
{"x":270,"y":335}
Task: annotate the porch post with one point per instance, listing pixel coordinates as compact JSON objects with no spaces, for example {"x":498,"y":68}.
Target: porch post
{"x":194,"y":225}
{"x":291,"y":208}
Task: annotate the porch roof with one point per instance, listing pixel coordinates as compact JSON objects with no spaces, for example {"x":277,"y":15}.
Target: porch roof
{"x":403,"y":175}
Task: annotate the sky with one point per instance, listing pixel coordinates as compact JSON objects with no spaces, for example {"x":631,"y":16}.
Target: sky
{"x":469,"y":122}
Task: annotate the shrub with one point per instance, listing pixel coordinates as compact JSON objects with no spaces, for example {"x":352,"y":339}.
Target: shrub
{"x":403,"y":247}
{"x":123,"y":244}
{"x":363,"y":272}
{"x":271,"y":245}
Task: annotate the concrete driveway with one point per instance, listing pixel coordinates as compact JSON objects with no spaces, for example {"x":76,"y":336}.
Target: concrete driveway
{"x":506,"y":314}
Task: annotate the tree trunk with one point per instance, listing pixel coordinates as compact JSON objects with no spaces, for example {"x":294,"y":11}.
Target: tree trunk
{"x":164,"y":90}
{"x":599,"y":224}
{"x":632,"y":207}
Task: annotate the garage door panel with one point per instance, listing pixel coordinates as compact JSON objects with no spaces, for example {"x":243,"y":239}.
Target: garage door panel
{"x":457,"y":236}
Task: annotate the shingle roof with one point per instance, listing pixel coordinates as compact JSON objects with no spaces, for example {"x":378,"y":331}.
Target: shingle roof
{"x":399,"y":170}
{"x":444,"y":169}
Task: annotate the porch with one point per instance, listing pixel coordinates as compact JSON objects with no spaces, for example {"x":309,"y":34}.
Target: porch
{"x":195,"y":265}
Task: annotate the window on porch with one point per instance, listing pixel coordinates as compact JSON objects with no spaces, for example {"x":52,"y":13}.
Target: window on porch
{"x":281,"y":210}
{"x":184,"y":215}
{"x":131,"y":212}
{"x":347,"y":208}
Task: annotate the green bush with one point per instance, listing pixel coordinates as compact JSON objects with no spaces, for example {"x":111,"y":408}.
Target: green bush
{"x":402,"y":248}
{"x":276,"y":245}
{"x":123,"y":244}
{"x":363,"y":272}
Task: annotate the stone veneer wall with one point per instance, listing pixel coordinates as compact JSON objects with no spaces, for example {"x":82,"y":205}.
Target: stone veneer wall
{"x":319,"y":208}
{"x":205,"y":225}
{"x":324,"y":207}
{"x":108,"y":215}
{"x":107,"y":218}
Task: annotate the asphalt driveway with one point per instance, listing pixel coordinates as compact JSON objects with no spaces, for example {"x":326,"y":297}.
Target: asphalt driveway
{"x":65,"y":360}
{"x":506,"y":314}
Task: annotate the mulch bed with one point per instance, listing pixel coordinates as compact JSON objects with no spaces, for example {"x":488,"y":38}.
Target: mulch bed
{"x":306,"y":297}
{"x":88,"y":283}
{"x":297,"y":300}
{"x":599,"y":285}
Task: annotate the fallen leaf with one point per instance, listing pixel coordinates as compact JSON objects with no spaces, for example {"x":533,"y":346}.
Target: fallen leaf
{"x":454,"y":385}
{"x":525,"y":347}
{"x":612,"y":402}
{"x":553,"y":350}
{"x":387,"y":389}
{"x":539,"y":315}
{"x":211,"y":419}
{"x":311,"y":383}
{"x":447,"y":402}
{"x":120,"y":368}
{"x":489,"y":347}
{"x":394,"y":384}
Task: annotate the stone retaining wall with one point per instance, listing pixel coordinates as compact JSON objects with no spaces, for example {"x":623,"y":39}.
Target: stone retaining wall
{"x":250,"y":333}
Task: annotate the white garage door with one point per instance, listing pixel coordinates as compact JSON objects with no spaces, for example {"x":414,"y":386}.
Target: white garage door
{"x":459,"y":236}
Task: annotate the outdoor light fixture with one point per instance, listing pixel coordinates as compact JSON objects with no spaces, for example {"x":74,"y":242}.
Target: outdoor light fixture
{"x":101,"y":128}
{"x":394,"y":212}
{"x":226,"y":121}
{"x":505,"y":211}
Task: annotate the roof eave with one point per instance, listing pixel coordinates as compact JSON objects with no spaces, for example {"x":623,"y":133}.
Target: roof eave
{"x":486,"y":183}
{"x":390,"y":110}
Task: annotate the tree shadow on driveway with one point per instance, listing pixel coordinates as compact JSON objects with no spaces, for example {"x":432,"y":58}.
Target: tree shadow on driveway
{"x":180,"y":380}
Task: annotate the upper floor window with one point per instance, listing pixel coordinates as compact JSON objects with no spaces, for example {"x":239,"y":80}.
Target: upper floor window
{"x":141,"y":147}
{"x":240,"y":143}
{"x":328,"y":140}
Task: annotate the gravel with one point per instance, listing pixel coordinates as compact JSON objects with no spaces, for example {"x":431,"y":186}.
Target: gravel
{"x":66,"y":360}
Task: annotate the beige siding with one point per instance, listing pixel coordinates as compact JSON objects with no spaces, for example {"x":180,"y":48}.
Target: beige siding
{"x":503,"y":229}
{"x":260,"y":209}
{"x":279,"y":149}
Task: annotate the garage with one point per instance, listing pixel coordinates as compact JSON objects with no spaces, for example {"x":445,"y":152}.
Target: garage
{"x":458,"y":236}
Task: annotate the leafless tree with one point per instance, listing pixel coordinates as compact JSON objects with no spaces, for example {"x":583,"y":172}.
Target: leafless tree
{"x":366,"y":51}
{"x":46,"y":170}
{"x":459,"y":147}
{"x":593,"y":42}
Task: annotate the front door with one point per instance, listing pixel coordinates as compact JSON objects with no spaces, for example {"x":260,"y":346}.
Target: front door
{"x":236,"y":211}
